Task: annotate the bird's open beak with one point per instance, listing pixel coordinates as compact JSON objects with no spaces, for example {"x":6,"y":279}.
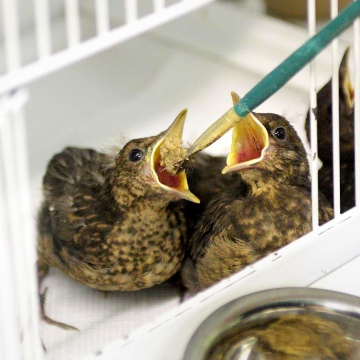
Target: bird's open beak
{"x":166,"y":154}
{"x":344,"y":78}
{"x":249,"y":142}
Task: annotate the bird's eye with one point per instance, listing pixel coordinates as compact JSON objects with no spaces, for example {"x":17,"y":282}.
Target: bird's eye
{"x":280,"y":133}
{"x":136,"y":155}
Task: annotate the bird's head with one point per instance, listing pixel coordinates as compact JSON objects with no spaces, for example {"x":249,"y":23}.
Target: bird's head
{"x":346,"y":90}
{"x":140,"y":164}
{"x":264,"y":146}
{"x":324,"y":114}
{"x":277,"y":154}
{"x":283,"y":160}
{"x":346,"y":107}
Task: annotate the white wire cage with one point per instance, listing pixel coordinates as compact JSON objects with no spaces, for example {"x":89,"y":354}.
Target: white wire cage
{"x":29,"y":30}
{"x":29,"y":51}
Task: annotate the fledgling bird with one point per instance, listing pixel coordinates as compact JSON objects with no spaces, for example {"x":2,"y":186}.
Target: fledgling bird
{"x":237,"y":229}
{"x":206,"y":181}
{"x":346,"y":139}
{"x":115,"y":222}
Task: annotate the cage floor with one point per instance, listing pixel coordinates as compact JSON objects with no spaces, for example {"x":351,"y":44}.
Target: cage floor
{"x":136,"y":89}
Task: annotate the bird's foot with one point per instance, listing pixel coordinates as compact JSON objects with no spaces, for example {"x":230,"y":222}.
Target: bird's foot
{"x":42,"y":270}
{"x":50,"y":321}
{"x":175,"y":281}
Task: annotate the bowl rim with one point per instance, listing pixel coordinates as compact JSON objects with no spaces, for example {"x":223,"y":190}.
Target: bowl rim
{"x":205,"y":334}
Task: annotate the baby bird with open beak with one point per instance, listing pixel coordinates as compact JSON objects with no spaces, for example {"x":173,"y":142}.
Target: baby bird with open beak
{"x":237,"y":227}
{"x":115,"y":222}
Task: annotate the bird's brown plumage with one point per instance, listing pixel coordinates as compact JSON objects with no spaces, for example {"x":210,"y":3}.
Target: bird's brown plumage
{"x":236,"y":229}
{"x":107,"y":222}
{"x":206,"y":181}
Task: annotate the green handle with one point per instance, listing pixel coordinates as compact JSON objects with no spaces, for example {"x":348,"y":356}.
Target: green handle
{"x":277,"y":78}
{"x":296,"y":61}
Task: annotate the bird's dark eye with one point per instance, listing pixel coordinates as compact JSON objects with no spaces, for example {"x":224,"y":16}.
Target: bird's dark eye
{"x":136,"y":155}
{"x":280,"y":133}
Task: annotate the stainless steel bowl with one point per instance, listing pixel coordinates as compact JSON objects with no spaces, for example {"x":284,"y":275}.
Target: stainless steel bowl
{"x":279,"y":324}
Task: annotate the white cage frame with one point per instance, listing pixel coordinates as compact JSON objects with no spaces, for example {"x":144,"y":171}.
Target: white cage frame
{"x":18,"y":73}
{"x":19,"y":335}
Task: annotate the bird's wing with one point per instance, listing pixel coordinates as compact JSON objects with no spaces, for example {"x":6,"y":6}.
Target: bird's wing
{"x":216,"y":213}
{"x":72,"y":187}
{"x":72,"y":168}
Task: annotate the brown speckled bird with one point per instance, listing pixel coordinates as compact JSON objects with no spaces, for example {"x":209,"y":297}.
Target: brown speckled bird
{"x":206,"y":181}
{"x":346,"y":140}
{"x":237,"y":229}
{"x":114,"y":222}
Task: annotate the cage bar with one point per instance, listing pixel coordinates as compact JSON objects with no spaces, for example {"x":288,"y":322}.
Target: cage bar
{"x":19,"y":240}
{"x":27,"y":242}
{"x":159,"y":5}
{"x":42,"y":23}
{"x":335,"y":113}
{"x":11,"y":31}
{"x":102,"y":16}
{"x":130,"y":11}
{"x":9,"y":329}
{"x":14,"y":221}
{"x":9,"y":332}
{"x":311,"y":9}
{"x":356,"y":48}
{"x":72,"y":22}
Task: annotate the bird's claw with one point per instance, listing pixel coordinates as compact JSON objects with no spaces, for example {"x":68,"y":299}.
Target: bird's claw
{"x":50,"y":321}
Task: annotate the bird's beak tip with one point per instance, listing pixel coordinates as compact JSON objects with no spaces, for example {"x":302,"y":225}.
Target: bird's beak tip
{"x":225,"y":170}
{"x":177,"y":127}
{"x":344,"y":78}
{"x":191,"y":197}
